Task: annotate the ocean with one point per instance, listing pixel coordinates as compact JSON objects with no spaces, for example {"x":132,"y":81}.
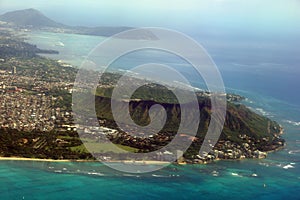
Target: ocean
{"x":265,"y":73}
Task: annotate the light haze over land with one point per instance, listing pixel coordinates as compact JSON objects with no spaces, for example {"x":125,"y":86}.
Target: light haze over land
{"x":216,"y":16}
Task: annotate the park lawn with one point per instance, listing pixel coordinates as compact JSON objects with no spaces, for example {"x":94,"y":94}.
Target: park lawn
{"x":101,"y":147}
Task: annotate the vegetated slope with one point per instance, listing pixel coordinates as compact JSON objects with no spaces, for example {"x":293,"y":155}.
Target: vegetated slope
{"x":240,"y":120}
{"x":29,"y":17}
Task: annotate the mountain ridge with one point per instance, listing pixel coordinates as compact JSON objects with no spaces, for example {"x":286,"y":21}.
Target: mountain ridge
{"x":30,"y":17}
{"x":34,"y":19}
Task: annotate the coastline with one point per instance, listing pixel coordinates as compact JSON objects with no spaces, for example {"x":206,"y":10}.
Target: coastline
{"x":149,"y":162}
{"x":138,"y":162}
{"x":125,"y":161}
{"x":35,"y":159}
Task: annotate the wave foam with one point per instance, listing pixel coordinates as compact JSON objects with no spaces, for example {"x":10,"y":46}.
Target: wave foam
{"x":292,"y":122}
{"x":263,"y":112}
{"x":264,"y":164}
{"x":159,"y":176}
{"x":236,"y":174}
{"x":294,"y":151}
{"x":215,"y":173}
{"x":288,"y":166}
{"x":95,"y":173}
{"x":248,"y":100}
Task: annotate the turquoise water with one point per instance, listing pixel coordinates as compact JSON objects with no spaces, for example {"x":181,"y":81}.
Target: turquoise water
{"x":72,"y":48}
{"x":40,"y":180}
{"x":269,"y":91}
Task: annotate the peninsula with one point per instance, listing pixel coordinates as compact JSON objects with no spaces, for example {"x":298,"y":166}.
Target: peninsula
{"x":36,"y":118}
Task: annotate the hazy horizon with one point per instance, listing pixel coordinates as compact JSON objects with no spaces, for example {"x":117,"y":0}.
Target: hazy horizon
{"x":218,"y":17}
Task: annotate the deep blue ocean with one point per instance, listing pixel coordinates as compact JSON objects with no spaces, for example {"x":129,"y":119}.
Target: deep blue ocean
{"x":265,"y":72}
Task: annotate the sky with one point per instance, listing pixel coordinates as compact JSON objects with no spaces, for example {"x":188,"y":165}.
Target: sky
{"x":266,"y":16}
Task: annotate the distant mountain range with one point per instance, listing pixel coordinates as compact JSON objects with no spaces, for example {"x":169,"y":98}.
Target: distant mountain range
{"x":34,"y":19}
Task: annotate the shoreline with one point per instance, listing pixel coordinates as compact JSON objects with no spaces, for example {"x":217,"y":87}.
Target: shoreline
{"x":35,"y":159}
{"x":128,"y":162}
{"x":150,"y":162}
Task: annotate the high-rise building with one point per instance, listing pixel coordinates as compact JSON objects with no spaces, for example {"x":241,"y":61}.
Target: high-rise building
{"x":14,"y":70}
